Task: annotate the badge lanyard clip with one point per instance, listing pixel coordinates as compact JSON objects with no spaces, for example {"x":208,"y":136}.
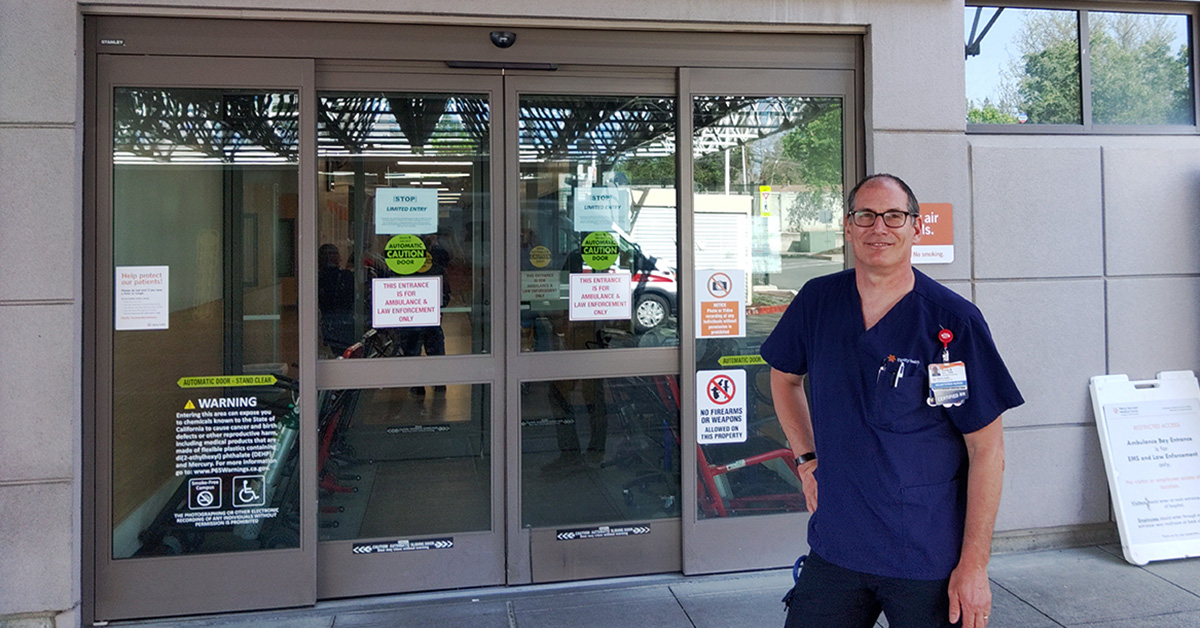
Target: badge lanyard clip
{"x":948,"y":380}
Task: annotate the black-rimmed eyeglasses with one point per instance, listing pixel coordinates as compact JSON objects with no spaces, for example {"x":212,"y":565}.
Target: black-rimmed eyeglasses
{"x":893,"y":219}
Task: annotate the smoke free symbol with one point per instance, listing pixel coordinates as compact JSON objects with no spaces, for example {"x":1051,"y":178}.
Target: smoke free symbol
{"x":204,"y":493}
{"x":721,"y":389}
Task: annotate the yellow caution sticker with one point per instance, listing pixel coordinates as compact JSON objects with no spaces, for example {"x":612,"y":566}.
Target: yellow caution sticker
{"x":222,"y":381}
{"x":190,"y":405}
{"x":539,"y":256}
{"x":741,"y":360}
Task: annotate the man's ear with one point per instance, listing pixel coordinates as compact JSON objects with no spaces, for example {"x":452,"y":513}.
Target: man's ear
{"x":916,"y":229}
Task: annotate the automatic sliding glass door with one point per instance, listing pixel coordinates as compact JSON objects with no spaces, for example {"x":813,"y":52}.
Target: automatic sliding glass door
{"x":595,"y":326}
{"x":201,"y":372}
{"x":409,"y":477}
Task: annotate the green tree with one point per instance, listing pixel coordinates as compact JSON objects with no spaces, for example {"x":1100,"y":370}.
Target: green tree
{"x":708,"y":171}
{"x":648,"y":170}
{"x":1047,"y":75}
{"x":816,"y":149}
{"x":1136,"y":76}
{"x":989,"y":113}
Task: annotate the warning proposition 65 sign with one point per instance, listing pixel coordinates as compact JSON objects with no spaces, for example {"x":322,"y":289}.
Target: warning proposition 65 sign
{"x":721,"y":406}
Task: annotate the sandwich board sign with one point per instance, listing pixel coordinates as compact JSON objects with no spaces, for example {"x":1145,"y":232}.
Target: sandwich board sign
{"x":1150,"y":437}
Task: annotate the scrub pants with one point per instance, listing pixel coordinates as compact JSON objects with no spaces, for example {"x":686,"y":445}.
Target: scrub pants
{"x":828,"y":596}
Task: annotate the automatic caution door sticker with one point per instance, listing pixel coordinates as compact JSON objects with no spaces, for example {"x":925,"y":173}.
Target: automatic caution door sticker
{"x":721,"y":406}
{"x":405,"y":254}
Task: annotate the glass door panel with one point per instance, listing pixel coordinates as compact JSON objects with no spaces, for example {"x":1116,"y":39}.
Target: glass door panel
{"x":396,"y":465}
{"x":402,"y":222}
{"x":768,"y":176}
{"x":200,"y":365}
{"x":599,"y":450}
{"x":594,"y":353}
{"x":205,"y":355}
{"x":406,"y":451}
{"x":771,"y":154}
{"x":598,"y":222}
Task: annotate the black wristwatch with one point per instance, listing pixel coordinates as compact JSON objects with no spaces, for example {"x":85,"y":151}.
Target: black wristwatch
{"x":803,"y":458}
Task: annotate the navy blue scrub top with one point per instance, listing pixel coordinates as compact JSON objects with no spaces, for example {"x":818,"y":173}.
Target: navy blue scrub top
{"x":892,"y":470}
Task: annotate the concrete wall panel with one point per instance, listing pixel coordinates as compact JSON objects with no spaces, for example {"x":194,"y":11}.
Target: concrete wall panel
{"x":1051,"y":336}
{"x":1054,"y":476}
{"x":935,"y":166}
{"x":39,"y":75}
{"x":1150,"y":211}
{"x":1153,"y":325}
{"x":963,"y":288}
{"x":42,"y":216}
{"x":1037,"y":212}
{"x":39,"y":404}
{"x":915,"y":85}
{"x":36,"y":547}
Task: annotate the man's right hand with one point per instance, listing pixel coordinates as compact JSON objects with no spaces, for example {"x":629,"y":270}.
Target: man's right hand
{"x":808,"y":481}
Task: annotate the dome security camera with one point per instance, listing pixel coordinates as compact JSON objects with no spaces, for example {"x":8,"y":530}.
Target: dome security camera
{"x":504,"y":39}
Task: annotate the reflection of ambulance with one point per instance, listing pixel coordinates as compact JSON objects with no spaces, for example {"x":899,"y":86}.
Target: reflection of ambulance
{"x":655,"y":286}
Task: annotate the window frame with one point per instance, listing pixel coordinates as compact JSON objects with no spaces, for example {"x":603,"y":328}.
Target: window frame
{"x":1087,"y":126}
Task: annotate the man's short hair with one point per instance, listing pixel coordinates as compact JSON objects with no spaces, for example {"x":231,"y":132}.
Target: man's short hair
{"x":914,"y":207}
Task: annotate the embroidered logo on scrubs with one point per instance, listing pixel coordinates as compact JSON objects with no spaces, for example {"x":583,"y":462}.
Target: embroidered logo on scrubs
{"x":896,"y":368}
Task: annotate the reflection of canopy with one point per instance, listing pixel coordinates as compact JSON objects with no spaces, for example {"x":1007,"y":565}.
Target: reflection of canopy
{"x":436,"y":124}
{"x":208,"y":125}
{"x":596,"y":127}
{"x":228,"y":127}
{"x":724,"y":122}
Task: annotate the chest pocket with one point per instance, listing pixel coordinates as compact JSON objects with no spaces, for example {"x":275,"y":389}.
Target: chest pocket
{"x":900,"y":402}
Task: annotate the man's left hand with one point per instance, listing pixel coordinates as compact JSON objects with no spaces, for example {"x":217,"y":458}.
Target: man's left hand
{"x":970,"y":596}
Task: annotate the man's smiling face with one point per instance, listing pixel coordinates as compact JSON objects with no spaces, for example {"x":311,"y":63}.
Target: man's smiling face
{"x":881,"y":248}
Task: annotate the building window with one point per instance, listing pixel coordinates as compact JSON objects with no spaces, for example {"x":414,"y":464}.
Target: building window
{"x":1026,"y":67}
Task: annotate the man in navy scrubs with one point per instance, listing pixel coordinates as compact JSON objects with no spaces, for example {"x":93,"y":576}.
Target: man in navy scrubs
{"x":903,"y":434}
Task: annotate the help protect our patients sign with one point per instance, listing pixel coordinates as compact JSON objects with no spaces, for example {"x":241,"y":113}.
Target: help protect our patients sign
{"x":141,"y":298}
{"x":721,"y":406}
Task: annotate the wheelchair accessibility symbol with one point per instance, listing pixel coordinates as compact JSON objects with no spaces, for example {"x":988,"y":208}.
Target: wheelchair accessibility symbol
{"x":248,"y":491}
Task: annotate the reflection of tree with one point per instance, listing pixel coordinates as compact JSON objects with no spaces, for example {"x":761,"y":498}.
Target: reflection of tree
{"x":1048,"y":89}
{"x":989,"y":113}
{"x":1136,"y":77}
{"x":816,"y":149}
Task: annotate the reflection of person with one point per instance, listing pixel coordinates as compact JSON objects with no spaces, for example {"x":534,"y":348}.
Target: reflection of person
{"x":908,"y":491}
{"x":431,"y":338}
{"x":335,"y":299}
{"x":570,"y":453}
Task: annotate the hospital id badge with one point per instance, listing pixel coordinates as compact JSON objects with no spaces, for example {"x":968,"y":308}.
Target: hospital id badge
{"x":947,"y":384}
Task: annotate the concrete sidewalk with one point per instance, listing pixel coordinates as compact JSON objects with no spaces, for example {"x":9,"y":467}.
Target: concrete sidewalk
{"x":1087,"y":586}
